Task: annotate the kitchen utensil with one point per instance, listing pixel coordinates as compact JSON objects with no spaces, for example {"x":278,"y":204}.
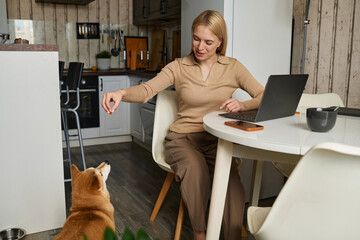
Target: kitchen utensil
{"x":4,"y":37}
{"x":115,"y":51}
{"x":121,"y":40}
{"x":320,"y":119}
{"x":102,"y":33}
{"x":12,"y":233}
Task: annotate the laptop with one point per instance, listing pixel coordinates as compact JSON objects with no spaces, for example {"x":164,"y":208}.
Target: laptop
{"x":281,"y":98}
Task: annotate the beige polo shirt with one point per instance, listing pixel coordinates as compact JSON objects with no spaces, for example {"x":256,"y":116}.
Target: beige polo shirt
{"x":196,"y":96}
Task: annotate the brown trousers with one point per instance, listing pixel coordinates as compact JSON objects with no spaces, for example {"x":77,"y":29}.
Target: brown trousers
{"x":192,"y":158}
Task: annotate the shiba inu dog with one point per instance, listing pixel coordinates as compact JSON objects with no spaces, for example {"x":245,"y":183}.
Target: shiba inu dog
{"x":91,"y":209}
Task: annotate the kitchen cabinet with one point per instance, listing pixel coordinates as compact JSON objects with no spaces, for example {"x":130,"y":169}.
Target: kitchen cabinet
{"x":156,"y":12}
{"x":136,"y":127}
{"x":119,"y":122}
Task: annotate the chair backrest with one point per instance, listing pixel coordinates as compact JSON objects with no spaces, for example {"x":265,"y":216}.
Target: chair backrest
{"x":318,"y":100}
{"x":165,"y":113}
{"x":321,"y":198}
{"x":74,"y":75}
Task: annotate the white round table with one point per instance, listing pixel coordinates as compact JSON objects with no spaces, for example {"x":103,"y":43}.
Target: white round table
{"x":282,"y":140}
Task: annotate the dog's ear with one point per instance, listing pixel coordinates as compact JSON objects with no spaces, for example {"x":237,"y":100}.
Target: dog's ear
{"x":74,"y":171}
{"x":96,"y":182}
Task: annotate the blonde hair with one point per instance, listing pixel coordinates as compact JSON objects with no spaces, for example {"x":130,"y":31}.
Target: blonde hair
{"x":216,"y":24}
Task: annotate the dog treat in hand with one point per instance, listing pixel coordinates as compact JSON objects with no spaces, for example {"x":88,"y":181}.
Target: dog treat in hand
{"x":110,"y":113}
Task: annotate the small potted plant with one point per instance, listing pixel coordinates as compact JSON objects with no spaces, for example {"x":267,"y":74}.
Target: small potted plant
{"x":103,"y":60}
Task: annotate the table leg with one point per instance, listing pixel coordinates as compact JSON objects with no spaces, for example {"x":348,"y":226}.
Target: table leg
{"x":256,"y":182}
{"x":219,"y":188}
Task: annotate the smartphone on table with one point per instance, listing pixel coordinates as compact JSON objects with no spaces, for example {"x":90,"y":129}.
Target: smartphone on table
{"x":247,"y":126}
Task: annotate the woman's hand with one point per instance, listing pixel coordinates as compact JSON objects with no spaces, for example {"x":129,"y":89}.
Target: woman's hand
{"x":114,"y":97}
{"x":232,"y":105}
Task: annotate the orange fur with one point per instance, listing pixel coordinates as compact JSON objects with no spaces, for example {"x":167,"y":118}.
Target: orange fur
{"x":91,"y":209}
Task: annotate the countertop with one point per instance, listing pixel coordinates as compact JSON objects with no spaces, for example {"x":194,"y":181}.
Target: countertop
{"x":117,"y":71}
{"x":29,"y":47}
{"x":86,"y":72}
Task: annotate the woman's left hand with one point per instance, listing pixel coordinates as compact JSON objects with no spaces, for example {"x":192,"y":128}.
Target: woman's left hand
{"x":232,"y":105}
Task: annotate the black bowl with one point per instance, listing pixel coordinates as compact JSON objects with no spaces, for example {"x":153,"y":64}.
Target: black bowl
{"x":320,"y":119}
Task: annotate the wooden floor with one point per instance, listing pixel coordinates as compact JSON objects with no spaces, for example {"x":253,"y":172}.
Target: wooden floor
{"x":134,"y":184}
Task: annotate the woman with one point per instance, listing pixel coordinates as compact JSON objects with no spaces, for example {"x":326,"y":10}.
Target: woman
{"x":204,"y":81}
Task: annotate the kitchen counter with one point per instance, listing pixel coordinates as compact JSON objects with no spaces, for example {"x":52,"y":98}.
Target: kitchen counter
{"x":117,"y":71}
{"x":29,"y":47}
{"x":86,"y":72}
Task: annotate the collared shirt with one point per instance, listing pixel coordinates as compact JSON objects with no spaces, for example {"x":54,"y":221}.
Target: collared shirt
{"x":198,"y":96}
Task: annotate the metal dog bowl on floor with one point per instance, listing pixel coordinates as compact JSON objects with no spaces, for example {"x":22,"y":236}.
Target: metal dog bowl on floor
{"x":12,"y":234}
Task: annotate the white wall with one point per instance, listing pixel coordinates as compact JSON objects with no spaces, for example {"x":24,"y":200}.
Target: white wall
{"x":190,"y":9}
{"x":262,"y":40}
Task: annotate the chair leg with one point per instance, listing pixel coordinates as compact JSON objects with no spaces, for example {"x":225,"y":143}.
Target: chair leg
{"x":80,"y":138}
{"x":180,"y":220}
{"x":243,"y":232}
{"x":165,"y":188}
{"x":67,"y":141}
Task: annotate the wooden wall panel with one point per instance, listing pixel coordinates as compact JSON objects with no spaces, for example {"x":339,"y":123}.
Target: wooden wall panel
{"x":104,"y":20}
{"x":50,"y":23}
{"x":13,"y":9}
{"x":332,"y":48}
{"x":326,"y":46}
{"x":94,"y":43}
{"x":72,"y":42}
{"x":298,"y":35}
{"x":60,"y":14}
{"x":312,"y":46}
{"x":39,"y":32}
{"x":124,"y":23}
{"x":342,"y":51}
{"x":354,"y":78}
{"x":124,"y":12}
{"x":133,"y":30}
{"x":25,"y":9}
{"x":84,"y":44}
{"x":37,"y":11}
{"x":56,"y":24}
{"x":114,"y":20}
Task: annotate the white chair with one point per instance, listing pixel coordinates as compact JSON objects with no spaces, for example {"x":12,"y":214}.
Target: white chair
{"x":320,"y":200}
{"x":318,"y":100}
{"x":307,"y":101}
{"x":165,"y":113}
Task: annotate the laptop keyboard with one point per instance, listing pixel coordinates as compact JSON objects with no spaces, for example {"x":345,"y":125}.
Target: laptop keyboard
{"x":245,"y":115}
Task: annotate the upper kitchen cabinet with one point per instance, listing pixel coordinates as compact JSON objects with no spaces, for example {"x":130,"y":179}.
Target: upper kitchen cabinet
{"x":146,"y":12}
